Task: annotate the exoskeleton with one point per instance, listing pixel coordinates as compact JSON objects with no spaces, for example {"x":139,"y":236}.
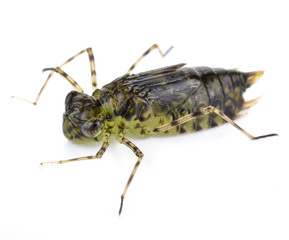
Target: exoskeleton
{"x":169,"y":100}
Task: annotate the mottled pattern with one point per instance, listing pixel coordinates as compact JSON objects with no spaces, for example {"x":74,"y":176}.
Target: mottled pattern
{"x":166,"y":100}
{"x":145,"y":101}
{"x":140,"y":104}
{"x":170,"y":100}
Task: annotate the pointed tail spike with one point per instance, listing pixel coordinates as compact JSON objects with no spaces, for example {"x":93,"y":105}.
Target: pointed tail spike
{"x":239,"y":115}
{"x":253,"y":77}
{"x":251,"y":103}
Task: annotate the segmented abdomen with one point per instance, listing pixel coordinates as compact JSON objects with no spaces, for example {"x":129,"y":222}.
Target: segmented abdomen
{"x":220,"y":88}
{"x":148,"y":100}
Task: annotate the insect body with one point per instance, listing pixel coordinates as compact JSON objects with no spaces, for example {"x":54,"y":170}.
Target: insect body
{"x":170,"y":100}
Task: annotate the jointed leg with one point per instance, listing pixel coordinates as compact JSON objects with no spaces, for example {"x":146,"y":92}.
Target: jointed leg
{"x":139,"y":154}
{"x":204,"y":111}
{"x":92,"y":65}
{"x":67,"y":77}
{"x":211,"y":109}
{"x":155,"y":46}
{"x":99,"y":154}
{"x":91,"y":62}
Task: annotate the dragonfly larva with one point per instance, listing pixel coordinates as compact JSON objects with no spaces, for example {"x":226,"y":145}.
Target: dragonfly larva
{"x":168,"y":100}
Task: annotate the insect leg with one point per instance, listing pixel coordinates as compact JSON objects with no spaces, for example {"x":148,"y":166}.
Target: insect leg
{"x":91,"y":62}
{"x":99,"y":154}
{"x":92,"y":65}
{"x":140,"y":155}
{"x":67,"y":77}
{"x":155,"y":46}
{"x":177,"y":122}
{"x":211,"y":109}
{"x":204,"y":111}
{"x":63,"y":74}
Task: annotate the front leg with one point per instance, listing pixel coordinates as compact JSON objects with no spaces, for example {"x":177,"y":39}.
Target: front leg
{"x":67,"y":77}
{"x":99,"y":154}
{"x":140,"y":155}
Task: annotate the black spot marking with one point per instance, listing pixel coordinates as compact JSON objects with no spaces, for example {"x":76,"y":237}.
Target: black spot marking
{"x":64,"y":74}
{"x":77,"y":136}
{"x":69,"y":129}
{"x":147,"y":52}
{"x":132,"y":67}
{"x":142,"y":119}
{"x":198,"y":128}
{"x":182,"y":130}
{"x":213,"y":123}
{"x":121,"y":126}
{"x":91,"y":58}
{"x":229,"y":112}
{"x":194,"y":125}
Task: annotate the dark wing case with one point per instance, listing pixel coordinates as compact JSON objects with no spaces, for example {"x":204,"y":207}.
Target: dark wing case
{"x":163,"y":89}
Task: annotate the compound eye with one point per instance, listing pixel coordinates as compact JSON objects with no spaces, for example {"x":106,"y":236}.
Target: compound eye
{"x":75,"y":111}
{"x":91,"y":128}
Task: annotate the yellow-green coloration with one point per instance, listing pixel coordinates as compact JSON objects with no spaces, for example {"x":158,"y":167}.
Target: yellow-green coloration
{"x":140,"y":103}
{"x":170,"y":100}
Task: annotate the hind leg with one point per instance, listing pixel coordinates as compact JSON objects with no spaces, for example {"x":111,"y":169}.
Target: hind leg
{"x":205,"y":111}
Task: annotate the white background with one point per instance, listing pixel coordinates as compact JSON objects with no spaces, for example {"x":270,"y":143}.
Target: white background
{"x":214,"y":184}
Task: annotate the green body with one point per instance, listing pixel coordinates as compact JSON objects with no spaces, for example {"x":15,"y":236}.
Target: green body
{"x":139,"y":103}
{"x":170,"y":100}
